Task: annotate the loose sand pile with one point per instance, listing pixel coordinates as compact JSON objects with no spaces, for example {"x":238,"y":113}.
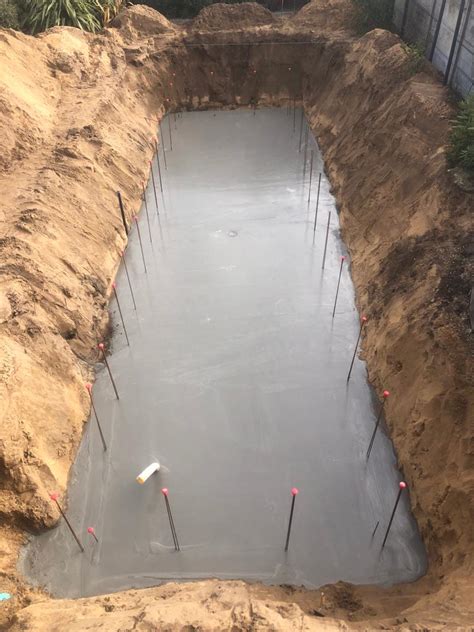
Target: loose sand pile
{"x":74,"y":119}
{"x":332,"y":16}
{"x":227,"y":17}
{"x":140,"y":20}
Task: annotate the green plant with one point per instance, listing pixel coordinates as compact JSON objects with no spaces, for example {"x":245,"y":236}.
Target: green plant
{"x":40,"y":15}
{"x":416,"y":57}
{"x":9,"y":15}
{"x":88,"y":15}
{"x":461,"y":141}
{"x":374,"y":14}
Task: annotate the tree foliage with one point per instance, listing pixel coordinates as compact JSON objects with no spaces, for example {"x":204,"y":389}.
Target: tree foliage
{"x":461,"y":142}
{"x":9,"y":15}
{"x":374,"y":14}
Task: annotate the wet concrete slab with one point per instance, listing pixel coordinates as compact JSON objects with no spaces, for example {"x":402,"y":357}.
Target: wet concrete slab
{"x":235,"y":381}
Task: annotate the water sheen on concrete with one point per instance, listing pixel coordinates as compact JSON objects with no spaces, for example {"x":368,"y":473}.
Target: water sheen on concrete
{"x":235,"y":381}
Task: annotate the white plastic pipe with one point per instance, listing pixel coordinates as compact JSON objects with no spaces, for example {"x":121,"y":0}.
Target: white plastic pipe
{"x":147,"y":472}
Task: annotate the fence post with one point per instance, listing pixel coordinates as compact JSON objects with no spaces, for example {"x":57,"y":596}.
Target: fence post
{"x":454,"y":42}
{"x":428,"y":32}
{"x":404,"y":19}
{"x":438,"y":27}
{"x":461,"y":41}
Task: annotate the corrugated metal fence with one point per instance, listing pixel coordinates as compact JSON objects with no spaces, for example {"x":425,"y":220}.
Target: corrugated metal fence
{"x":445,"y":31}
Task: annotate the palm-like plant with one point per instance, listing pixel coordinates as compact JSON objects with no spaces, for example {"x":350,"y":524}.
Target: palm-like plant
{"x":88,"y":15}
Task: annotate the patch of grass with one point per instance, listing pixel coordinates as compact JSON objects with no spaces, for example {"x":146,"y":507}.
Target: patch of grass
{"x":461,"y":141}
{"x":416,"y":57}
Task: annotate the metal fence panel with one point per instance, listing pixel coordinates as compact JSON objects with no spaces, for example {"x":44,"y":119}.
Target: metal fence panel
{"x":422,"y":25}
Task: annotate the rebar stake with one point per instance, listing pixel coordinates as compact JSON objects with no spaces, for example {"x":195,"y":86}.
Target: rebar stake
{"x":114,"y":286}
{"x":317,"y":207}
{"x":140,"y":240}
{"x":154,"y":187}
{"x":338,"y":284}
{"x":122,"y":211}
{"x":401,"y":486}
{"x":146,"y":211}
{"x":90,"y":531}
{"x":122,"y":254}
{"x":301,"y":129}
{"x":305,"y":153}
{"x":165,"y":493}
{"x":362,"y":323}
{"x":159,"y":166}
{"x":54,"y":498}
{"x":294,"y":493}
{"x":326,"y":242}
{"x":162,"y":143}
{"x":104,"y":357}
{"x":375,"y":529}
{"x":385,"y":394}
{"x":89,"y":390}
{"x":310,"y":176}
{"x":171,"y":139}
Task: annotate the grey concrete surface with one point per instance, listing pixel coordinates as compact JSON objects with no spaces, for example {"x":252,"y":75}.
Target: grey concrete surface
{"x":235,"y":381}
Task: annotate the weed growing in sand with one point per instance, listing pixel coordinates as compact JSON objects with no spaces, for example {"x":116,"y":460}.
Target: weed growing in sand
{"x":416,"y":57}
{"x":461,"y":141}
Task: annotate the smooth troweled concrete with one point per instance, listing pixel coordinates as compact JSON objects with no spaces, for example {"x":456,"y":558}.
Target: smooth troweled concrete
{"x":235,"y":382}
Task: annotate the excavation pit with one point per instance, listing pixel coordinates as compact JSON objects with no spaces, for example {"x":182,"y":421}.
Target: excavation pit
{"x":235,"y":382}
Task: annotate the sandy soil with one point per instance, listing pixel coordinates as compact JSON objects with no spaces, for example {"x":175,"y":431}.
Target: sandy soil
{"x":332,"y":17}
{"x":75,"y":119}
{"x":226,"y":17}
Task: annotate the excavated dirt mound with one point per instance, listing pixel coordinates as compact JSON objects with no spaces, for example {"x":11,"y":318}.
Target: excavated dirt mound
{"x":226,"y":17}
{"x":326,"y":16}
{"x":76,"y":122}
{"x":142,"y":20}
{"x":210,"y":605}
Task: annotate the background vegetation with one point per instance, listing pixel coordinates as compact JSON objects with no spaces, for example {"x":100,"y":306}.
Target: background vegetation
{"x":9,"y":14}
{"x":374,"y":14}
{"x":34,"y":16}
{"x":173,"y":9}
